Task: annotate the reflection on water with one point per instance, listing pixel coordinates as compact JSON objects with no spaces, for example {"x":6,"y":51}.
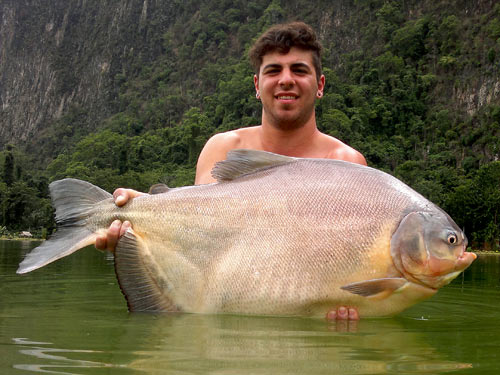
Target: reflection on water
{"x":219,"y":345}
{"x":225,"y":344}
{"x":53,"y":355}
{"x":70,"y":318}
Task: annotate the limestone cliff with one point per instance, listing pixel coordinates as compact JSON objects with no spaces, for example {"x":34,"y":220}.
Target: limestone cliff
{"x":59,"y":53}
{"x":63,"y":54}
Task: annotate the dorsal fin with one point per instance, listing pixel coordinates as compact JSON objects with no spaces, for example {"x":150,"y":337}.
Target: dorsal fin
{"x":241,"y":162}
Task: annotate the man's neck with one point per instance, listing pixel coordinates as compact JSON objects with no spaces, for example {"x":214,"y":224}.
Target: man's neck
{"x":292,"y":142}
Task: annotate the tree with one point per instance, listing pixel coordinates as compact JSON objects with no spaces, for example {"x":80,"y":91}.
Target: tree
{"x":476,"y":206}
{"x":8,"y":167}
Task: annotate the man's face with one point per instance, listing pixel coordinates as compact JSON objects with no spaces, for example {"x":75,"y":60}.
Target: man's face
{"x":288,"y":88}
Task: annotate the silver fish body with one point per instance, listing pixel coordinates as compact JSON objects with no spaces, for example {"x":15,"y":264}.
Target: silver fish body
{"x":276,"y":235}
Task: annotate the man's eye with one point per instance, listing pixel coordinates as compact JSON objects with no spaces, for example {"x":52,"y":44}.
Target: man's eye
{"x":300,"y":71}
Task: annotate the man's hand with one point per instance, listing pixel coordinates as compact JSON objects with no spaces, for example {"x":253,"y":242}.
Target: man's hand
{"x":117,"y":228}
{"x":343,"y":313}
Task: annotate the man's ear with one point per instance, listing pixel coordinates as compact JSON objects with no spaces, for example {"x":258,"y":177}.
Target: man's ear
{"x":321,"y":86}
{"x":256,"y":82}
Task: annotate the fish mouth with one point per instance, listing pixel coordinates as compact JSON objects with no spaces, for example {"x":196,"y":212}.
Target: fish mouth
{"x":461,"y":263}
{"x":465,"y":260}
{"x":443,"y":270}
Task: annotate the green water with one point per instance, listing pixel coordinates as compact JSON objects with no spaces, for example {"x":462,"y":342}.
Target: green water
{"x":70,"y":318}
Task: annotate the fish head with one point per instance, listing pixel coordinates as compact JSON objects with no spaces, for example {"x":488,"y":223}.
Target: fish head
{"x":430,"y":249}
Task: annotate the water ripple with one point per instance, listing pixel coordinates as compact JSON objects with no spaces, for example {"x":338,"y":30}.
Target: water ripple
{"x":54,"y":355}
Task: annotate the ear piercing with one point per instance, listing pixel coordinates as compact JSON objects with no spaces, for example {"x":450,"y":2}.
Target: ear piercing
{"x":257,"y":95}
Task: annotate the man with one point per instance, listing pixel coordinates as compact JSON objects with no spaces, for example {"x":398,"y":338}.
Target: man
{"x":288,"y":81}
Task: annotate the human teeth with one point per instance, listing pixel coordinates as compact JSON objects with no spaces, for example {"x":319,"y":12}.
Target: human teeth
{"x":286,"y":97}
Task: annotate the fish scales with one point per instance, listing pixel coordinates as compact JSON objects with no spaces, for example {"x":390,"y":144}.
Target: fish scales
{"x":288,"y":236}
{"x":274,"y":219}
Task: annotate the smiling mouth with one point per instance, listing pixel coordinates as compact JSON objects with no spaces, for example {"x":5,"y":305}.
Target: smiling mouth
{"x":286,"y":97}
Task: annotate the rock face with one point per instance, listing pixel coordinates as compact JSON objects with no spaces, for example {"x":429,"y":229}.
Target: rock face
{"x":481,"y":92}
{"x":61,"y":53}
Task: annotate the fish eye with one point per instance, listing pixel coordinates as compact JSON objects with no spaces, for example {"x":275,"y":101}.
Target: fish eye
{"x":452,"y":239}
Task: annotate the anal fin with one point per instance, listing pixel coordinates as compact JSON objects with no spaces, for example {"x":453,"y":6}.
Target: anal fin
{"x":137,"y":283}
{"x":376,"y":288}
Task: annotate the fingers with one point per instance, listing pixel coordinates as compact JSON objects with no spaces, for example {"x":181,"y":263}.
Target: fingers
{"x":125,"y":226}
{"x":353,"y":314}
{"x":343,"y":313}
{"x":113,"y":235}
{"x":122,"y":195}
{"x":331,"y":315}
{"x":117,"y":228}
{"x":100,"y":242}
{"x":115,"y":231}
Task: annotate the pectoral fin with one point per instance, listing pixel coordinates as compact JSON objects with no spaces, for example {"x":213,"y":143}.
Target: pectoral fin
{"x":135,"y":276}
{"x":377,"y":287}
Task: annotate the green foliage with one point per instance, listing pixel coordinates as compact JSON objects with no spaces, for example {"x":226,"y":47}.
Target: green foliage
{"x":4,"y":232}
{"x":447,"y":33}
{"x":272,"y":15}
{"x":397,"y":73}
{"x":389,"y":18}
{"x":476,"y":205}
{"x":409,"y":40}
{"x":492,"y":55}
{"x":494,"y":28}
{"x":8,"y":166}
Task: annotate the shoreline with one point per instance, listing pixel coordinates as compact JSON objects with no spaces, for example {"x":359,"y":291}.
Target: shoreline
{"x":21,"y":238}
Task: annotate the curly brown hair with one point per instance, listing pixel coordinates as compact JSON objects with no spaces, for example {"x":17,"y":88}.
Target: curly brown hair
{"x":282,"y":38}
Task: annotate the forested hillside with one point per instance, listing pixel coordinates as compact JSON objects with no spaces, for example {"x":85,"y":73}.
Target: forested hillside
{"x":137,"y":87}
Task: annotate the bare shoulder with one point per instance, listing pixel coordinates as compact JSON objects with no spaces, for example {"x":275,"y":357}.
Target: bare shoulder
{"x":216,"y":150}
{"x":340,"y":151}
{"x":221,"y":143}
{"x":227,"y":140}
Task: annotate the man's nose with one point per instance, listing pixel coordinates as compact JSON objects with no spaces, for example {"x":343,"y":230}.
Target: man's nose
{"x":286,"y":79}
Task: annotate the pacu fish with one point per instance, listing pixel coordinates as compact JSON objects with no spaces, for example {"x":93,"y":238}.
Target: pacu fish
{"x":275,"y":235}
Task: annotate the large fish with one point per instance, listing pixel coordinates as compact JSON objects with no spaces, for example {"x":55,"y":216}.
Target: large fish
{"x":275,"y":235}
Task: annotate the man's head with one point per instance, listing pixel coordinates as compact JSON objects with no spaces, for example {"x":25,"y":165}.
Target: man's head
{"x":282,"y":38}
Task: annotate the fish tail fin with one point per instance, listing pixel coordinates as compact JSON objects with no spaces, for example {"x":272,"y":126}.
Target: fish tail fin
{"x":73,"y":200}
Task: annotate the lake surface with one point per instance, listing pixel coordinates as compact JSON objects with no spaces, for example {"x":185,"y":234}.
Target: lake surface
{"x":71,"y":318}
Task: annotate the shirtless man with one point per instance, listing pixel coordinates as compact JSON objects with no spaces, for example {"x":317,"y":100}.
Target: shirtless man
{"x":288,"y":81}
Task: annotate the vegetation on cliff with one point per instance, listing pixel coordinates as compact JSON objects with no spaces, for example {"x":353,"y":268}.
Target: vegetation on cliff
{"x":413,"y":85}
